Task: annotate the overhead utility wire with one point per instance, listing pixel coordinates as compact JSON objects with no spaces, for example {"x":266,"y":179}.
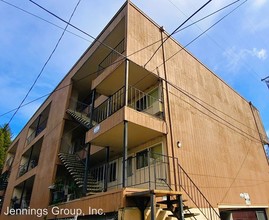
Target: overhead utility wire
{"x":186,"y":94}
{"x":43,"y":19}
{"x":48,"y":133}
{"x":207,"y":16}
{"x":70,"y":84}
{"x":229,"y":54}
{"x":106,"y":67}
{"x":183,"y":48}
{"x":225,"y":122}
{"x":252,"y":71}
{"x":182,"y":91}
{"x":73,"y":26}
{"x":177,"y":89}
{"x":185,"y":27}
{"x":222,"y":49}
{"x":53,"y":51}
{"x":176,"y":30}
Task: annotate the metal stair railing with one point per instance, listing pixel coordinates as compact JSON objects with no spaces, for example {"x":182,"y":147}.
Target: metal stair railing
{"x":196,"y":196}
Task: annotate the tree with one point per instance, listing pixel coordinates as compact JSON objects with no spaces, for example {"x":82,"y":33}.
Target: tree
{"x":5,"y":141}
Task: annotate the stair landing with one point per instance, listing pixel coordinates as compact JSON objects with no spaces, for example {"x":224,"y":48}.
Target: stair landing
{"x":157,"y":193}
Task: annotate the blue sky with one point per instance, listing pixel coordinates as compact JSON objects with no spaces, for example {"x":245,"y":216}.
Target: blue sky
{"x":236,"y":49}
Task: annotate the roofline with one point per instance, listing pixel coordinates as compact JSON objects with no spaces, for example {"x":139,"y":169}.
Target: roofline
{"x":54,"y":90}
{"x":158,"y":26}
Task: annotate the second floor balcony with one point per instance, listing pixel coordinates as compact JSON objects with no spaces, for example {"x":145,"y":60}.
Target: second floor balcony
{"x":145,"y":102}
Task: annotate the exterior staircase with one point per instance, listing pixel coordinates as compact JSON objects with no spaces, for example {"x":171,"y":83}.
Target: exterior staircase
{"x":82,"y":118}
{"x":196,"y":196}
{"x":4,"y":180}
{"x":3,"y":185}
{"x":76,"y":168}
{"x":176,"y":209}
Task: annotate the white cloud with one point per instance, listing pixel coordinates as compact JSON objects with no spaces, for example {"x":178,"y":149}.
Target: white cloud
{"x":261,"y":54}
{"x":236,"y":57}
{"x":259,"y":3}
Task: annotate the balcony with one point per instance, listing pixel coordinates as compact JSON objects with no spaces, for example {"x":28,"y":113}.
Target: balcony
{"x":38,"y":125}
{"x":137,"y":100}
{"x":36,"y":131}
{"x":112,"y":56}
{"x":29,"y":159}
{"x":145,"y":170}
{"x":21,"y":198}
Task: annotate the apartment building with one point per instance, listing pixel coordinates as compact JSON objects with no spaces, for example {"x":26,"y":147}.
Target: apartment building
{"x":126,"y":136}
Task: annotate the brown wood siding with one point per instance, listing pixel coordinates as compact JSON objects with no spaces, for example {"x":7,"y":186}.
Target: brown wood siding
{"x":221,"y":148}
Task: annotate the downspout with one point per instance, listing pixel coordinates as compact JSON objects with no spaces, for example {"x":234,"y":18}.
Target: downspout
{"x":168,"y":108}
{"x":257,"y":127}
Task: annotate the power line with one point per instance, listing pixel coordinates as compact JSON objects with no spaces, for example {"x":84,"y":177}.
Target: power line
{"x":73,"y":26}
{"x":47,"y":134}
{"x":79,"y":80}
{"x":53,"y":51}
{"x":183,"y":48}
{"x":215,"y":42}
{"x":177,"y":30}
{"x":227,"y":123}
{"x":60,"y":88}
{"x":49,"y":22}
{"x":113,"y":62}
{"x":207,"y":16}
{"x":195,"y":22}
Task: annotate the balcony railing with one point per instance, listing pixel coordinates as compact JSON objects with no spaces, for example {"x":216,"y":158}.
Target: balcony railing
{"x":24,"y":168}
{"x":37,"y":131}
{"x":137,"y":100}
{"x":153,"y":174}
{"x":111,"y":57}
{"x":144,"y":102}
{"x":109,"y":106}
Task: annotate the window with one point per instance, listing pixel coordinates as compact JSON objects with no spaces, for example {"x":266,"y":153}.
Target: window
{"x":156,"y":151}
{"x":142,"y":159}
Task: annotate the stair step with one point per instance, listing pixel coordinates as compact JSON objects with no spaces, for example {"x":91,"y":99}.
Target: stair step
{"x":185,"y":207}
{"x":80,"y":117}
{"x":186,"y":215}
{"x":189,"y":215}
{"x":76,"y":169}
{"x":170,"y":202}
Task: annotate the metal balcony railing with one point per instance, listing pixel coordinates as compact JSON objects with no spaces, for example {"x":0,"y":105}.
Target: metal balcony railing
{"x":152,"y":173}
{"x":109,"y":106}
{"x":137,"y":100}
{"x":24,"y":168}
{"x":144,"y":102}
{"x":111,"y":57}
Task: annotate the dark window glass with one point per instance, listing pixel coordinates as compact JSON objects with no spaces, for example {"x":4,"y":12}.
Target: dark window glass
{"x":142,"y":159}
